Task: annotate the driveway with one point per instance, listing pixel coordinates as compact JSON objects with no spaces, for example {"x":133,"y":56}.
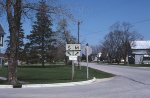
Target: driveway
{"x":130,"y":82}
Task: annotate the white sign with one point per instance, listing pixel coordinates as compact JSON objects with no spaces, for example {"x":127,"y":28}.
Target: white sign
{"x":72,"y":53}
{"x":73,"y":47}
{"x":69,"y":53}
{"x":76,"y":53}
{"x":74,"y":58}
{"x":89,"y":50}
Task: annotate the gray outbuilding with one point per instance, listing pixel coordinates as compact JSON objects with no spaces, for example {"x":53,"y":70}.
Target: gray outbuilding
{"x":141,"y":52}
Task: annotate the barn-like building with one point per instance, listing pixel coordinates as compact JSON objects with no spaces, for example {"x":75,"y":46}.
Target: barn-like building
{"x":140,"y":52}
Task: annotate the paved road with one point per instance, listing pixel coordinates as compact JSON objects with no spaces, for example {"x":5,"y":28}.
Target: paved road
{"x":140,"y":75}
{"x":129,"y":83}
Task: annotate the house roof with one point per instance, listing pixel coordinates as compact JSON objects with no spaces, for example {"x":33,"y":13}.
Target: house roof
{"x":140,"y":44}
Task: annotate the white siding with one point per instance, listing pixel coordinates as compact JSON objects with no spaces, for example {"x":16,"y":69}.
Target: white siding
{"x":138,"y":59}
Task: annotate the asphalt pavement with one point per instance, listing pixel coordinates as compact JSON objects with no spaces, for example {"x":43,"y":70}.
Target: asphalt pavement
{"x":129,"y":82}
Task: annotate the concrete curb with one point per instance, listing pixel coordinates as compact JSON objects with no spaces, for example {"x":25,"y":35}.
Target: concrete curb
{"x":6,"y":86}
{"x":52,"y":85}
{"x":59,"y":84}
{"x":105,"y":79}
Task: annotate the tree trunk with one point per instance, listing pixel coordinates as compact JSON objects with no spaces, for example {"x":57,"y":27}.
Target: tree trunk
{"x":125,"y":61}
{"x":126,"y":54}
{"x":43,"y":51}
{"x":43,"y":63}
{"x":13,"y":10}
{"x":12,"y":65}
{"x":12,"y":71}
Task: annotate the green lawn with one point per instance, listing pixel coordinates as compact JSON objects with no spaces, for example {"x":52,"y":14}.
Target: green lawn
{"x":53,"y":74}
{"x":3,"y":72}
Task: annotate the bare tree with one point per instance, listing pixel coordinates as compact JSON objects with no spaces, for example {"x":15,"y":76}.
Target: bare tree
{"x":96,"y":49}
{"x":109,"y":46}
{"x":64,"y":37}
{"x":117,"y":42}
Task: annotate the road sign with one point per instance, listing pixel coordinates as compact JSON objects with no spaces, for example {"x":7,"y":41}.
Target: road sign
{"x":89,"y":50}
{"x":74,"y":58}
{"x":76,"y":53}
{"x":73,"y":47}
{"x":73,"y":53}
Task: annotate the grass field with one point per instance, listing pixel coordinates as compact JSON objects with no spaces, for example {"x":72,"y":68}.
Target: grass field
{"x":53,"y":74}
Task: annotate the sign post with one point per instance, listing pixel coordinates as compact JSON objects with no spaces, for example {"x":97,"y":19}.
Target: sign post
{"x":73,"y":51}
{"x":87,"y":51}
{"x":72,"y":69}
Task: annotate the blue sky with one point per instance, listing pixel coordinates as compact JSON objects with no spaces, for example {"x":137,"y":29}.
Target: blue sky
{"x":97,"y":16}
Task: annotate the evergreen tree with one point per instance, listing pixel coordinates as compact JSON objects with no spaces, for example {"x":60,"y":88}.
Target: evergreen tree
{"x":19,"y":44}
{"x":42,"y":37}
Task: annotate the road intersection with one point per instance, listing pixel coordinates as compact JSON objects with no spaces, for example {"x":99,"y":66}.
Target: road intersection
{"x":129,"y":82}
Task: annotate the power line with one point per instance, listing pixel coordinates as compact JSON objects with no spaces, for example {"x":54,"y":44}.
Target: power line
{"x":134,"y":23}
{"x":142,"y":21}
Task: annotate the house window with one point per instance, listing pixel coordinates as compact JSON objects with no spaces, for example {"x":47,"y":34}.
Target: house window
{"x":146,"y":58}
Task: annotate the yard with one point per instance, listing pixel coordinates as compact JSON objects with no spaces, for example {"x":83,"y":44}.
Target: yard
{"x":52,"y":74}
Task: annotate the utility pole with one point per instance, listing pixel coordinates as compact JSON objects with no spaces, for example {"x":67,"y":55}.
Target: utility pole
{"x":78,"y":31}
{"x":87,"y":61}
{"x":79,"y":43}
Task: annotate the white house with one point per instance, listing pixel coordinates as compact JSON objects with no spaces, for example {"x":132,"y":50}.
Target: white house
{"x":140,"y":52}
{"x":97,"y":56}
